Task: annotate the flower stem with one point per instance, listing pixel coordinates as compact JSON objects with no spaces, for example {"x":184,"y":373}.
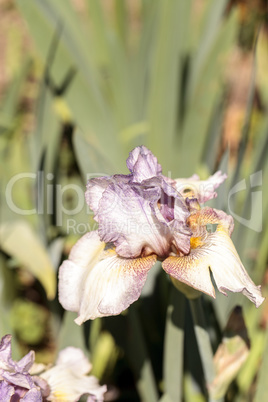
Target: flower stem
{"x":203,"y":341}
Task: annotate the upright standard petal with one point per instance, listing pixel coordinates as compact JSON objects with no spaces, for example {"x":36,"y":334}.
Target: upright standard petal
{"x":213,"y":252}
{"x":202,"y":190}
{"x":143,"y":164}
{"x":96,"y":187}
{"x":95,"y":282}
{"x":129,"y":221}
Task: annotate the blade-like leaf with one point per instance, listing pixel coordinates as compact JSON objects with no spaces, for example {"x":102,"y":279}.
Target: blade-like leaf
{"x":20,"y":241}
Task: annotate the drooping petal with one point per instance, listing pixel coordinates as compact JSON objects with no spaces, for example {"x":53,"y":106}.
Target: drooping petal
{"x":128,"y":220}
{"x":202,"y":190}
{"x":101,"y":283}
{"x":143,"y":164}
{"x":192,"y":269}
{"x":214,"y":253}
{"x":72,"y":273}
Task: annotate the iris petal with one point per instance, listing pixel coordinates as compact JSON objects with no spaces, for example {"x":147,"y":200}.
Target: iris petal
{"x":129,"y":221}
{"x":215,"y":253}
{"x":103,"y":283}
{"x":143,"y":164}
{"x":202,"y":190}
{"x":68,"y":380}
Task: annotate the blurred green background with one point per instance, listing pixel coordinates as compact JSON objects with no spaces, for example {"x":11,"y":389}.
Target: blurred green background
{"x":82,"y":82}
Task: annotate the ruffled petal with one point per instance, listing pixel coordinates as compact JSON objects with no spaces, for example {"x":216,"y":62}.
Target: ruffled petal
{"x":18,"y":379}
{"x":213,"y":252}
{"x":128,"y":220}
{"x":6,"y":362}
{"x":96,"y":187}
{"x":33,"y":395}
{"x":100,"y":283}
{"x":143,"y":164}
{"x":202,"y":190}
{"x":6,"y":391}
{"x":24,"y":364}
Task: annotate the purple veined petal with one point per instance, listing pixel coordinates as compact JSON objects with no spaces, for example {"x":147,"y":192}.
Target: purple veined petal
{"x":24,"y":364}
{"x":181,"y":235}
{"x":6,"y":391}
{"x":143,"y":164}
{"x":171,"y":203}
{"x":96,"y":187}
{"x":6,"y":361}
{"x":202,"y":190}
{"x":42,"y":384}
{"x":214,"y":253}
{"x":33,"y":395}
{"x":127,"y":219}
{"x":104,"y":284}
{"x":18,"y":379}
{"x":171,"y":209}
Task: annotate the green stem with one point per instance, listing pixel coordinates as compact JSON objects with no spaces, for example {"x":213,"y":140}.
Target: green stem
{"x":203,"y":341}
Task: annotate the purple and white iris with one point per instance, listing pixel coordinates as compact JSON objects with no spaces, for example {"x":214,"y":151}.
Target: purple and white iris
{"x":67,"y":380}
{"x":142,"y":217}
{"x":16,"y":384}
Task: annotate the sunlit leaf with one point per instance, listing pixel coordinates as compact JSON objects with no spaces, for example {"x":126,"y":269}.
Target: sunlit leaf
{"x":19,"y":240}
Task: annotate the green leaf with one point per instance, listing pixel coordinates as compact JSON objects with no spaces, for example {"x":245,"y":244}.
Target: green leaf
{"x":70,"y":334}
{"x":139,"y":359}
{"x":261,"y":392}
{"x":19,"y":240}
{"x":11,"y":100}
{"x":165,"y":83}
{"x":206,"y":93}
{"x":173,"y":346}
{"x":90,"y":157}
{"x":48,"y":20}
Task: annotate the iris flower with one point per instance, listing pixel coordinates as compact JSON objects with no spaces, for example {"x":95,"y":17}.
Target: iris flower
{"x":66,"y":381}
{"x":144,"y":217}
{"x":16,"y":384}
